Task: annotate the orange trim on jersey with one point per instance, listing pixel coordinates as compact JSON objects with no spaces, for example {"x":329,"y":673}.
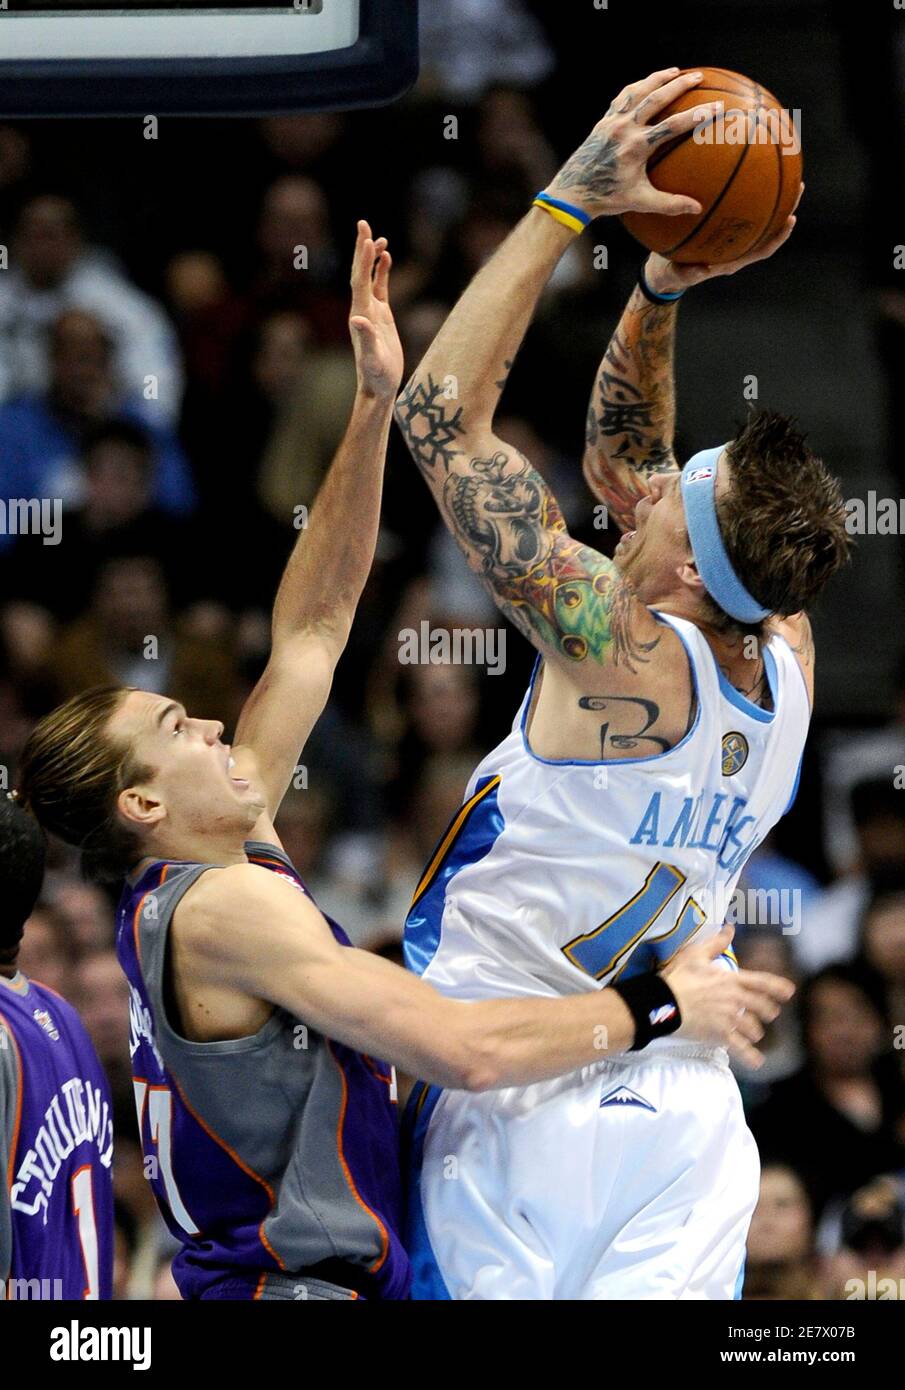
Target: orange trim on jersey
{"x":139,"y":905}
{"x":372,"y":1066}
{"x":85,"y":1168}
{"x":17,"y":1123}
{"x":384,"y":1236}
{"x":267,"y":859}
{"x":260,"y":1289}
{"x":450,"y":836}
{"x":240,"y":1164}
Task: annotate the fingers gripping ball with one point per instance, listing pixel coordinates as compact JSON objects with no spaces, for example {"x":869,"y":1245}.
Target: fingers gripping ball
{"x":743,"y":166}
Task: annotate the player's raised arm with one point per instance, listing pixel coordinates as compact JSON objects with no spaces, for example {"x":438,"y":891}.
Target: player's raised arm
{"x":328,"y":568}
{"x":293,"y":960}
{"x":632,"y":415}
{"x":497,"y":506}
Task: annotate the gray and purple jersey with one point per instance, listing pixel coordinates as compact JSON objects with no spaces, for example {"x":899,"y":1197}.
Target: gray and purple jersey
{"x":56,"y":1151}
{"x":274,"y":1157}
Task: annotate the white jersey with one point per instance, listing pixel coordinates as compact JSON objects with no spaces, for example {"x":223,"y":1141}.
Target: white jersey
{"x":561,"y":875}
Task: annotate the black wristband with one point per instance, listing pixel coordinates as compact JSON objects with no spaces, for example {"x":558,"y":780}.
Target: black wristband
{"x":654,"y":296}
{"x":652,"y":1005}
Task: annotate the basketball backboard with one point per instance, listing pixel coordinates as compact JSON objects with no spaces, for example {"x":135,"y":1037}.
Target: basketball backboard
{"x":203,"y":57}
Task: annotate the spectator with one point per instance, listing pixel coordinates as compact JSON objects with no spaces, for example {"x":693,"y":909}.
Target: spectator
{"x":830,"y":926}
{"x":300,"y":265}
{"x":117,"y":517}
{"x":837,"y":1121}
{"x":309,"y":391}
{"x":87,"y":915}
{"x":130,"y":637}
{"x":866,"y":1240}
{"x":768,"y":949}
{"x":851,"y":756}
{"x":134,"y":1196}
{"x":47,"y":953}
{"x":52,"y":269}
{"x":883,"y":947}
{"x":469,"y":45}
{"x":42,"y":433}
{"x":102,"y":998}
{"x":781,"y":1260}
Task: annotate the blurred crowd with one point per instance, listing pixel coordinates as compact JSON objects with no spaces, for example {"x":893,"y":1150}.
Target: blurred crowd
{"x":175,"y":368}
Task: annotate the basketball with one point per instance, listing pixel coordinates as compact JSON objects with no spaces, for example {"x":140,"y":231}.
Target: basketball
{"x":743,"y":166}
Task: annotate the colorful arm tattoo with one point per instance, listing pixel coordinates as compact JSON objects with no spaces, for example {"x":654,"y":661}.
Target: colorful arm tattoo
{"x":566,"y":598}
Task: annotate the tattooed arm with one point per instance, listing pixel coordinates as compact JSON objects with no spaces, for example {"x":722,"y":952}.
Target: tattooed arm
{"x":569,"y":600}
{"x":474,"y":350}
{"x":631,"y":419}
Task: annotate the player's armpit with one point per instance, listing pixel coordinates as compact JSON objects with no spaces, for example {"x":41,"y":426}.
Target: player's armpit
{"x":292,"y":959}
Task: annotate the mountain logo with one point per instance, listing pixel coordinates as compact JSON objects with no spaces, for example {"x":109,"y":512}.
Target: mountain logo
{"x":623,"y":1095}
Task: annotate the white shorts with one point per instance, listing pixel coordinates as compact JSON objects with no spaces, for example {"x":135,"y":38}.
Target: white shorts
{"x":631,"y":1179}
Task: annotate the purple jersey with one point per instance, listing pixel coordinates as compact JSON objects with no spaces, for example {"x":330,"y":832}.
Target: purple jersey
{"x":274,"y":1158}
{"x":56,"y":1150}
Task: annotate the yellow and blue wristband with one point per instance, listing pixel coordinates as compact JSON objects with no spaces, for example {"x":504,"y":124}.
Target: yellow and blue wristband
{"x":575,"y":218}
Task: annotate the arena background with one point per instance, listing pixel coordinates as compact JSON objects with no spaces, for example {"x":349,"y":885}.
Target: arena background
{"x":179,"y":250}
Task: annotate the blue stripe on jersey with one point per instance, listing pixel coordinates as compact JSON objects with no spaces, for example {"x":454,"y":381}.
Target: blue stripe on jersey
{"x":740,"y":1281}
{"x":470,"y":837}
{"x":735,"y":697}
{"x":427,"y":1281}
{"x":794,"y":795}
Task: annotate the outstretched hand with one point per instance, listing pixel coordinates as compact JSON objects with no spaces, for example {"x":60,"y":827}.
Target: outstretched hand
{"x":378,"y":351}
{"x":667,"y":277}
{"x":607,"y":175}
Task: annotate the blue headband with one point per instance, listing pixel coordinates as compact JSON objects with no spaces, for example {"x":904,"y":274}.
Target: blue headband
{"x":714,"y":566}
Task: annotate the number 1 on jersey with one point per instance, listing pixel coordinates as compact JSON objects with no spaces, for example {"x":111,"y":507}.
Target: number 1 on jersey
{"x":607,"y":947}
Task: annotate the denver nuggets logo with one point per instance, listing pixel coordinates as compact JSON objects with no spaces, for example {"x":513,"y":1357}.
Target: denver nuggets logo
{"x":735,"y":753}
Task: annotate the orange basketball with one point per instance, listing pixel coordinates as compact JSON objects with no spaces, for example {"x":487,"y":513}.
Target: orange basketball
{"x":743,"y":166}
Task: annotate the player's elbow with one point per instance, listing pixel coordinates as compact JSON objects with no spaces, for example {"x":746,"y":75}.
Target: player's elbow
{"x":485,"y":1058}
{"x":471,"y":1057}
{"x":478,"y":1074}
{"x":465,"y":1067}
